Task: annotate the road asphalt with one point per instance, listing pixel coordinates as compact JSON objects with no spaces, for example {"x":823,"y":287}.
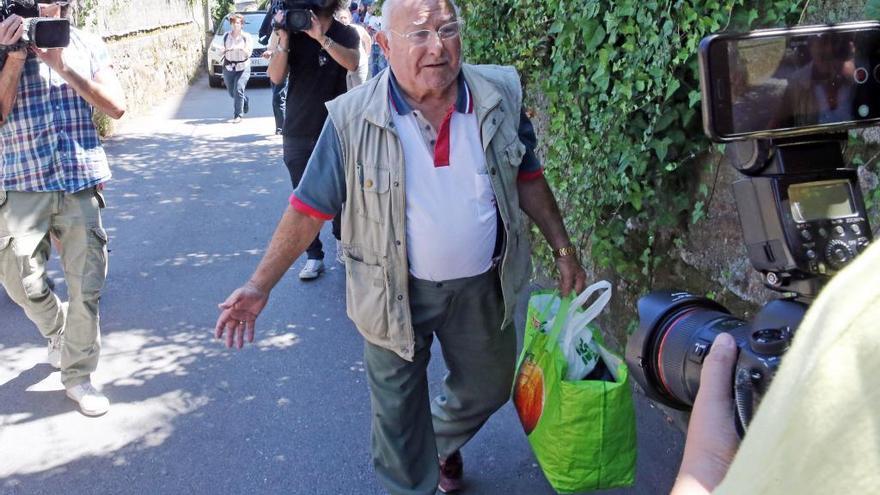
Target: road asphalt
{"x":192,"y":204}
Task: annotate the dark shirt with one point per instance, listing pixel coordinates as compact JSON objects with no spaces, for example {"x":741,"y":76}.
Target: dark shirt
{"x":315,"y":78}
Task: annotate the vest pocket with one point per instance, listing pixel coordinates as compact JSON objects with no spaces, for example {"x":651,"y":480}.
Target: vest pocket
{"x":366,"y":298}
{"x":514,"y":152}
{"x":375,"y":184}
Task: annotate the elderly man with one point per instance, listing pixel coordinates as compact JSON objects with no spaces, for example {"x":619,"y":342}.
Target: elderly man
{"x":429,"y":164}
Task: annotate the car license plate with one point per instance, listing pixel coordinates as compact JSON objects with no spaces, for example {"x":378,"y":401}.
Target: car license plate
{"x":259,"y":62}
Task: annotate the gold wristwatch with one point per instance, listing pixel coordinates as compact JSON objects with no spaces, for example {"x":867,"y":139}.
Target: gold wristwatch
{"x":565,"y":251}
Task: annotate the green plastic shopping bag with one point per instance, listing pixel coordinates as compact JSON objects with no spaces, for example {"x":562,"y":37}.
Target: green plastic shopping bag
{"x":582,"y":432}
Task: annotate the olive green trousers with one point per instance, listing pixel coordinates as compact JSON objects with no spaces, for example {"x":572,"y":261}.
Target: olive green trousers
{"x":26,"y":221}
{"x":409,"y":431}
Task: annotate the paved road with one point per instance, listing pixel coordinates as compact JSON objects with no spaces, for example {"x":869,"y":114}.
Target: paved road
{"x":193,"y":202}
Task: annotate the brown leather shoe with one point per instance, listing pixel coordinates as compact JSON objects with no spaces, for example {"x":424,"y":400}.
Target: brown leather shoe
{"x":451,"y":472}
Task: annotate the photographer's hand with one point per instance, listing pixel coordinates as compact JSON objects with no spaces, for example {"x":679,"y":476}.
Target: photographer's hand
{"x":51,"y":57}
{"x":712,"y":440}
{"x":102,"y":91}
{"x":11,"y":30}
{"x":346,"y":57}
{"x":316,"y":30}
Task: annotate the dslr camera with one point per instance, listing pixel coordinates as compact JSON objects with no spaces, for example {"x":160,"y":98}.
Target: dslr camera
{"x":782,"y":101}
{"x":298,"y":13}
{"x":38,"y":31}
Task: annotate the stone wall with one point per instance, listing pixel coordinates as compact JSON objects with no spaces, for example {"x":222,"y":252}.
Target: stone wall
{"x":157,"y":46}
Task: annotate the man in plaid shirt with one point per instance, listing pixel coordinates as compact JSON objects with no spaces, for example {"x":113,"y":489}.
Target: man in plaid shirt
{"x":52,"y":169}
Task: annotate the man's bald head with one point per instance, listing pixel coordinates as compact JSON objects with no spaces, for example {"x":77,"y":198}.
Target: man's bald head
{"x":389,"y":7}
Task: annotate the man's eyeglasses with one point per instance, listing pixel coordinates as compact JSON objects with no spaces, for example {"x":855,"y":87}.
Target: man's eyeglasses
{"x":423,"y":36}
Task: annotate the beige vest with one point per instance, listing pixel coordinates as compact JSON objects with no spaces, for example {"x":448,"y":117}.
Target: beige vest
{"x":374,"y":214}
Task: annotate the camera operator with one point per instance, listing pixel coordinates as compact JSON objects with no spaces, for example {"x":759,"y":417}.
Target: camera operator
{"x":320,"y":57}
{"x":52,"y":168}
{"x":817,"y":429}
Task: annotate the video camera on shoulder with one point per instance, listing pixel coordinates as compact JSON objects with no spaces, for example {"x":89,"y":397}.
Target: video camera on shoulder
{"x":40,"y":32}
{"x":298,"y":13}
{"x":782,"y":100}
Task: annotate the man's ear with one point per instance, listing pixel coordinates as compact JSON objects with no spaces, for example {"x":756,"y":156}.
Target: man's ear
{"x":382,"y":39}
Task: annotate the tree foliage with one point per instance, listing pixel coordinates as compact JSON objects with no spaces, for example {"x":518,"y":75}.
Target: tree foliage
{"x":620,"y":104}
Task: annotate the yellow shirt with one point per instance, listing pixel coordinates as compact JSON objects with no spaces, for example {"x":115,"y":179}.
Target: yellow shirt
{"x":817,"y":430}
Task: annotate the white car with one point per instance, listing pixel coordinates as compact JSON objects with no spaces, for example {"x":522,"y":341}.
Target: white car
{"x":259,"y":65}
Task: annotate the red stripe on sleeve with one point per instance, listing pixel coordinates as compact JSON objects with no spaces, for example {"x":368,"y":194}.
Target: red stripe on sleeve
{"x":527,"y":176}
{"x":301,"y":207}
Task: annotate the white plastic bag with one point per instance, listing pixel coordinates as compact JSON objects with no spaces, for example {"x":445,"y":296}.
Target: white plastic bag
{"x":576,"y":337}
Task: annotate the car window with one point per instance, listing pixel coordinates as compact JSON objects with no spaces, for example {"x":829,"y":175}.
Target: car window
{"x":252,"y":22}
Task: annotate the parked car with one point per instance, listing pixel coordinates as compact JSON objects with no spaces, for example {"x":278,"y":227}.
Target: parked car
{"x":259,"y":65}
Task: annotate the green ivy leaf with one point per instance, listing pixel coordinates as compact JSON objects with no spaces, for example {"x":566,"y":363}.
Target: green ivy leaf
{"x":694,"y":97}
{"x":673,"y":86}
{"x":596,"y":39}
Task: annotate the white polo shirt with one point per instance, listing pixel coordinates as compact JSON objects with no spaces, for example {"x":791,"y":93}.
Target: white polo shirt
{"x":451,"y":223}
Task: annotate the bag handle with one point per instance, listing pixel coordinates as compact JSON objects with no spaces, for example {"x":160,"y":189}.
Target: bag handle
{"x":569,"y":309}
{"x":594,"y":309}
{"x":558,"y":323}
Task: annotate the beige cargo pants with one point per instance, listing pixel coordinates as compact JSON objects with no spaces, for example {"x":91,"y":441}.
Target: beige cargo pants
{"x":26,"y":221}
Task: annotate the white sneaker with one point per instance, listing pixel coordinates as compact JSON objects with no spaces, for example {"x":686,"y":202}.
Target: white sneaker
{"x":311,"y":270}
{"x":340,"y":257}
{"x":56,"y":342}
{"x":91,"y":401}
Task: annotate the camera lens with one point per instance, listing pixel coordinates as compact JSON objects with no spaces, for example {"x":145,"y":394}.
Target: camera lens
{"x":666,"y":353}
{"x":299,"y":20}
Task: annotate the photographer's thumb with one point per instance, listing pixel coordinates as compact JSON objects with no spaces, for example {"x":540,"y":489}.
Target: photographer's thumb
{"x":712,"y":440}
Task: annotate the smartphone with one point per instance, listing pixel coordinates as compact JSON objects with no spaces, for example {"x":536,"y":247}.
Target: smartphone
{"x":776,"y":83}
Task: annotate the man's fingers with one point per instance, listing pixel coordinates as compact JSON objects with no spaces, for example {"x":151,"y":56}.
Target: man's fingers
{"x":10,"y":31}
{"x":239,"y":333}
{"x":230,"y":332}
{"x":18,"y":32}
{"x":567,"y":281}
{"x":220,"y":327}
{"x":716,"y":379}
{"x":250,"y":330}
{"x":230,"y":301}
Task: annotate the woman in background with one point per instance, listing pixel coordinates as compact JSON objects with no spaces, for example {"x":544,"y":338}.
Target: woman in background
{"x":237,"y":47}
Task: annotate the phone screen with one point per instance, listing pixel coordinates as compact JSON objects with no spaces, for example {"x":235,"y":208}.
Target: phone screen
{"x":794,"y":81}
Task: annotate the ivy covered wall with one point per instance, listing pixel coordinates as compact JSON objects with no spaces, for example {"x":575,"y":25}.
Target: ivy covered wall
{"x":613,"y":89}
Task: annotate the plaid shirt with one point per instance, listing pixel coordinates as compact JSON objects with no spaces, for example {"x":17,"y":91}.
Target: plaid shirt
{"x":49,"y":142}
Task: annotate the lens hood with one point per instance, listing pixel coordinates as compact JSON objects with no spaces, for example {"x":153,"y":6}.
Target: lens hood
{"x":655,"y":311}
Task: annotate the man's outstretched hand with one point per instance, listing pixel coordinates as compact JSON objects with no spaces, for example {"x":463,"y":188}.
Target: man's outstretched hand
{"x":239,"y":315}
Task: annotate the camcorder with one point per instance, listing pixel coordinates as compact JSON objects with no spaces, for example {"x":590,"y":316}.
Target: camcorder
{"x":298,"y":13}
{"x":782,"y":100}
{"x":40,"y":32}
